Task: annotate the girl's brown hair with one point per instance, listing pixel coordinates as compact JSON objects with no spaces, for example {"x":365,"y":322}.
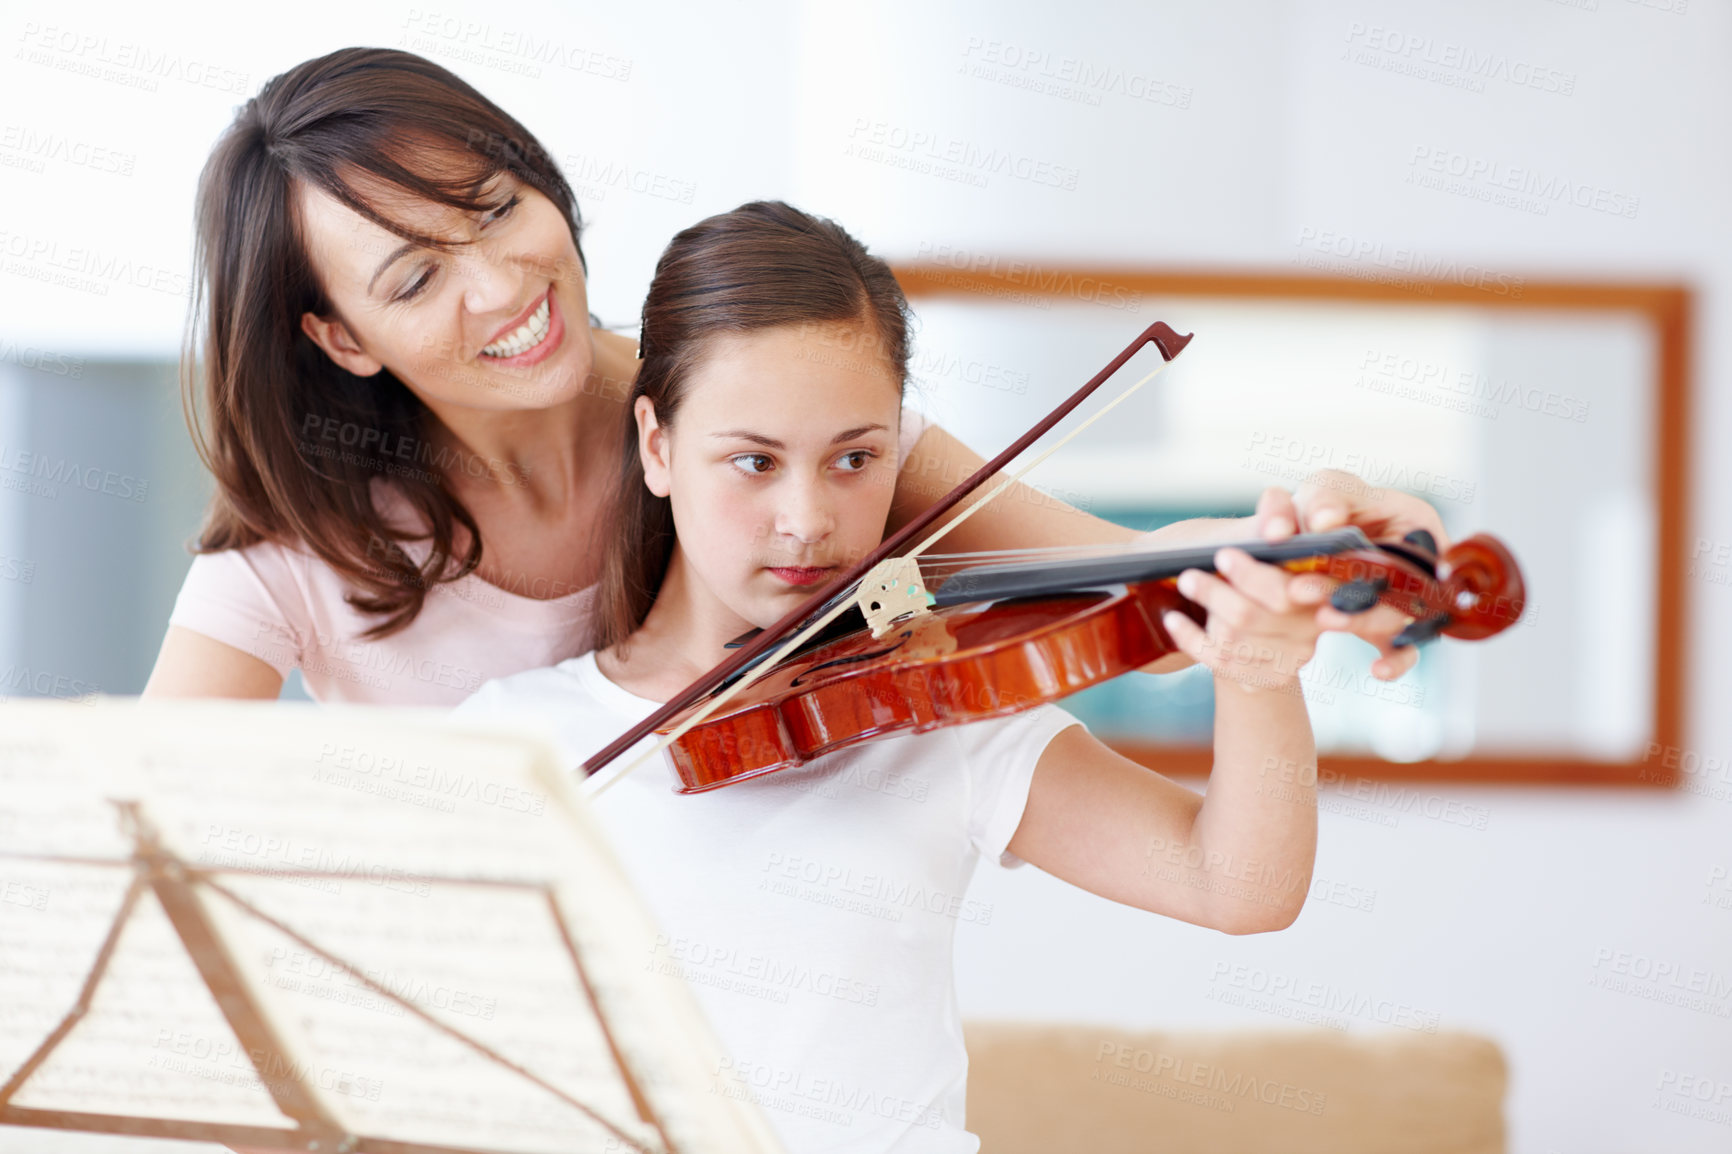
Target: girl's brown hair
{"x":293,"y":440}
{"x":763,"y":265}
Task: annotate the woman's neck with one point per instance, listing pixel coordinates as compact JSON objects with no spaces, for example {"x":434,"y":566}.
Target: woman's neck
{"x":683,"y":637}
{"x":541,"y":458}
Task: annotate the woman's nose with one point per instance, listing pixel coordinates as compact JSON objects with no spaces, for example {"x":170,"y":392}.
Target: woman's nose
{"x":492,"y":282}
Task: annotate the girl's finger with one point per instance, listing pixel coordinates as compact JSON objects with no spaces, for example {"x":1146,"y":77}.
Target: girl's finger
{"x":1310,"y":588}
{"x":1187,"y":635}
{"x":1395,"y":662}
{"x":1376,"y":625}
{"x":1276,"y":519}
{"x":1226,"y":606}
{"x":1264,"y":584}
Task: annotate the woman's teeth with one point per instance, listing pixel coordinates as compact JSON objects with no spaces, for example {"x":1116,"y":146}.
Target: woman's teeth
{"x":526,"y":336}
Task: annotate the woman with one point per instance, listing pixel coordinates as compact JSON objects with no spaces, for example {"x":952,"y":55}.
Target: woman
{"x":409,"y":412}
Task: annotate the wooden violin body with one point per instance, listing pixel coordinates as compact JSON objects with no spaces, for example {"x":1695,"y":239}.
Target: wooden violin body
{"x":1003,"y":639}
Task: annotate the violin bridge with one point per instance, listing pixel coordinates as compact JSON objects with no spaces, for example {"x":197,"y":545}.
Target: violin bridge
{"x":892,"y":591}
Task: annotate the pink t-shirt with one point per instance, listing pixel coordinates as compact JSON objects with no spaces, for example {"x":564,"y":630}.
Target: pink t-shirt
{"x":286,"y":607}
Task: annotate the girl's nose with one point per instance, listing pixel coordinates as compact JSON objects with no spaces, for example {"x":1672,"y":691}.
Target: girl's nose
{"x":806,"y":515}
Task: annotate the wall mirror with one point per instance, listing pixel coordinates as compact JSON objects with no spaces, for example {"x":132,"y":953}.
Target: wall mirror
{"x":1549,"y":414}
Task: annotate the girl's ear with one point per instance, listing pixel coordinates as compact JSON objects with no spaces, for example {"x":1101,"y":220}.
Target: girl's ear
{"x":652,"y":448}
{"x":339,"y":344}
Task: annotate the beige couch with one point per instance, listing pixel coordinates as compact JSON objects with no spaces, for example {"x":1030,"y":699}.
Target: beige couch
{"x":1058,"y":1089}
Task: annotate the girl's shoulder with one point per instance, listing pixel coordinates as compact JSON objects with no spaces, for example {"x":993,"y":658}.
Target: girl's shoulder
{"x":573,"y":684}
{"x":571,"y":701}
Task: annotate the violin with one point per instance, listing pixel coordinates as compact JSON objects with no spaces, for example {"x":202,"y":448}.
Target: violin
{"x":1000,"y":639}
{"x":874,"y":654}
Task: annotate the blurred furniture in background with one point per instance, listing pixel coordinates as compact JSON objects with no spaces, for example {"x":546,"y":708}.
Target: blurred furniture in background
{"x":1057,"y":1089}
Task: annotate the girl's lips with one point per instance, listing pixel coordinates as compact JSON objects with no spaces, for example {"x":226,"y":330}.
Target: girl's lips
{"x":549,"y":343}
{"x":801,"y":575}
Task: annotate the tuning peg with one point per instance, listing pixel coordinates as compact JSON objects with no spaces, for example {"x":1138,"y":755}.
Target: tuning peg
{"x":1422,"y":540}
{"x":1357,"y":596}
{"x":1419,"y":632}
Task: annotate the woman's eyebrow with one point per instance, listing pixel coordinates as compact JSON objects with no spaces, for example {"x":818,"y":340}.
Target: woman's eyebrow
{"x":389,"y":260}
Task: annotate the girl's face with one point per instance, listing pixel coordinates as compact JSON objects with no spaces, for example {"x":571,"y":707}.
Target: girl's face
{"x":780,"y":464}
{"x":499,"y":323}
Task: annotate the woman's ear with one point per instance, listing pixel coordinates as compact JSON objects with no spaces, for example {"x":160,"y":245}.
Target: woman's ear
{"x":339,"y":344}
{"x":653,"y":448}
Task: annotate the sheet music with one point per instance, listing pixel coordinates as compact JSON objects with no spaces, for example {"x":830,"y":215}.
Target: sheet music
{"x":152,"y":1005}
{"x":424,"y":882}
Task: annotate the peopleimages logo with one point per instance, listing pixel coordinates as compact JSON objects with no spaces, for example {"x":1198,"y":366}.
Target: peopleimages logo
{"x":938,"y":153}
{"x":1428,"y":58}
{"x":1395,"y":258}
{"x":1486,"y":178}
{"x":1028,"y":275}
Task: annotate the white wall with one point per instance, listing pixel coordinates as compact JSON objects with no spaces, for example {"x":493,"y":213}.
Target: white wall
{"x":1501,"y":930}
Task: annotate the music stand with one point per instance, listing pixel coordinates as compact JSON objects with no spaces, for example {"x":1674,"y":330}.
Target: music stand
{"x":332,"y":930}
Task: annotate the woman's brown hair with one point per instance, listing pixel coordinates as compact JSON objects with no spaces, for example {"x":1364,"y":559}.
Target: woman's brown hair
{"x":262,"y":398}
{"x":763,"y":265}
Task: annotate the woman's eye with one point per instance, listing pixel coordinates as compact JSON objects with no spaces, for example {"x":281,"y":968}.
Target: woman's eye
{"x":420,"y":283}
{"x":855,"y":461}
{"x":752,"y":462}
{"x":501,"y":212}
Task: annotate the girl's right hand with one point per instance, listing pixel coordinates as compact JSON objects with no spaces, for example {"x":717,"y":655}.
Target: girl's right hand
{"x":1258,"y":634}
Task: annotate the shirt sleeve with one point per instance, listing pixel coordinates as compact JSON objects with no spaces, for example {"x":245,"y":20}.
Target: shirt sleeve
{"x":1000,"y":756}
{"x":245,"y":598}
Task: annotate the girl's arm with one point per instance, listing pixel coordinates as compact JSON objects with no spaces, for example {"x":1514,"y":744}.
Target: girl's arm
{"x":1024,"y":517}
{"x":1239,"y":857}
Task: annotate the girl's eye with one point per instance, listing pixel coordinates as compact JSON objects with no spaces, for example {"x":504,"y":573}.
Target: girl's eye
{"x":752,"y":463}
{"x":855,"y":461}
{"x":501,"y":212}
{"x":420,"y":283}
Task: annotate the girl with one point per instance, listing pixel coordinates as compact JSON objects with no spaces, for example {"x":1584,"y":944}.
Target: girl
{"x":813,"y":910}
{"x":410,"y":414}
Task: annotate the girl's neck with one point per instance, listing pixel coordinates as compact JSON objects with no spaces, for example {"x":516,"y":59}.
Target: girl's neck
{"x":683,"y":637}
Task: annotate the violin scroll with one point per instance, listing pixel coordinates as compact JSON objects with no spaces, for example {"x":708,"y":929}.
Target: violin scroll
{"x":1472,"y":592}
{"x":1486,"y":586}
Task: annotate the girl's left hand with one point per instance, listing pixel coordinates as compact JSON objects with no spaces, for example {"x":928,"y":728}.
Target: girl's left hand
{"x":1328,"y":500}
{"x":1257,"y":635}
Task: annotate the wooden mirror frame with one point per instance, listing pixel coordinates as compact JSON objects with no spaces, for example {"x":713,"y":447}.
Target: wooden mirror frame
{"x":1668,"y":308}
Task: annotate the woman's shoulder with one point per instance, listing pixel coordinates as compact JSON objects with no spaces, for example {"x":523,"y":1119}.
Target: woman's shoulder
{"x":261,"y":567}
{"x":251,"y":598}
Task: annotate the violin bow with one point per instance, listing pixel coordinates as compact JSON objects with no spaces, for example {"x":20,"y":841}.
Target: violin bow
{"x":1168,"y":342}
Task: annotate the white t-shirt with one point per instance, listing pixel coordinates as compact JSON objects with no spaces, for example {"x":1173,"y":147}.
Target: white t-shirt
{"x":813,"y":910}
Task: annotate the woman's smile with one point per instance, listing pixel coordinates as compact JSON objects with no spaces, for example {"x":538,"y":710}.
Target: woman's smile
{"x":531,"y":337}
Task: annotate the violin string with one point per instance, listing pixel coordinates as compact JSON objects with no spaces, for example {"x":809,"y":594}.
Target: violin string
{"x":1044,"y":550}
{"x":1062,"y":553}
{"x":750,"y":677}
{"x":947,"y":564}
{"x":1017,"y":476}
